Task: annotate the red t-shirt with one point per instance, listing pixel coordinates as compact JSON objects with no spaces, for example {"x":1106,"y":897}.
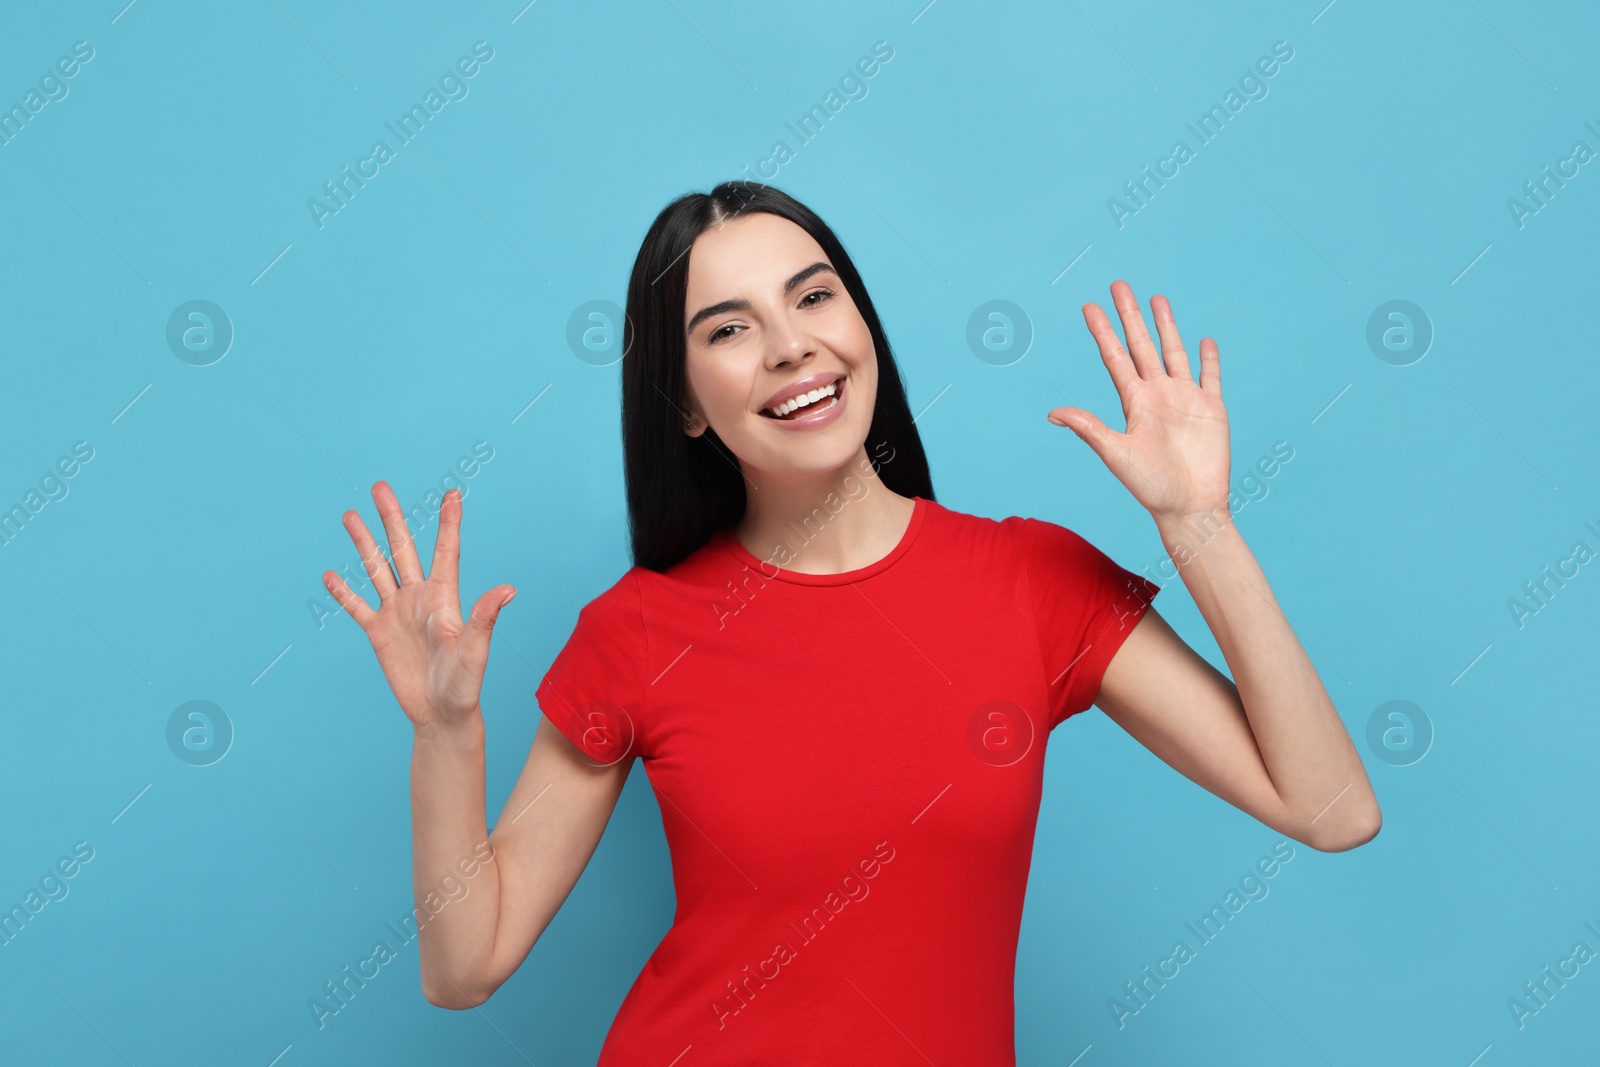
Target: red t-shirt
{"x":849,"y":769}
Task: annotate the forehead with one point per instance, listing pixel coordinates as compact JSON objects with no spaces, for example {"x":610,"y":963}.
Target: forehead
{"x":755,"y":253}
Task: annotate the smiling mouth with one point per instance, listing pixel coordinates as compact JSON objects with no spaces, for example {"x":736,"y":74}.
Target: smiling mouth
{"x":822,"y":399}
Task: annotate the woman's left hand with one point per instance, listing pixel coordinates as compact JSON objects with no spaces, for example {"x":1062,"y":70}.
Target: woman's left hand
{"x":1173,"y":457}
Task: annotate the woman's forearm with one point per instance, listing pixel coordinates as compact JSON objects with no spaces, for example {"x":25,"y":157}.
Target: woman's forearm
{"x":1306,"y":749}
{"x":455,"y":878}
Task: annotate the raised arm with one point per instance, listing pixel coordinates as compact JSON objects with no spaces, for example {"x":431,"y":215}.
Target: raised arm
{"x":1271,"y":742}
{"x":474,"y":932}
{"x":482,"y":899}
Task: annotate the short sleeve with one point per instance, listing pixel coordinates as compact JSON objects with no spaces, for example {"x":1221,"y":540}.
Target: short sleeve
{"x":1084,"y":607}
{"x":594,"y":690}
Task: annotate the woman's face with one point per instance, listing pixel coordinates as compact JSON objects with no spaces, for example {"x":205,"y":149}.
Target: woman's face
{"x":778,"y":316}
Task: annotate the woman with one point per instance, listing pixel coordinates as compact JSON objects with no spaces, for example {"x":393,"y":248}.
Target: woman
{"x":840,"y":689}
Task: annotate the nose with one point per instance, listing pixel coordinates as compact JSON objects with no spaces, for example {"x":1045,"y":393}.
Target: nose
{"x":790,"y":344}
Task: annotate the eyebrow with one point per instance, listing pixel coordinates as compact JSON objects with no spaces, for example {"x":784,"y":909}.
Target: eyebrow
{"x":744,"y":305}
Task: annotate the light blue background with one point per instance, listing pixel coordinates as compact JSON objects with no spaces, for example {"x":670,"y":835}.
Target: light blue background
{"x":429,"y":312}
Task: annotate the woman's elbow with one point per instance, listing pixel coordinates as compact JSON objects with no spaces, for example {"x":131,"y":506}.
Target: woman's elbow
{"x":1352,"y":833}
{"x":446,"y":993}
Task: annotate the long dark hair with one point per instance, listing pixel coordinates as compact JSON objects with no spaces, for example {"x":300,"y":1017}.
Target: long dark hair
{"x":682,"y":489}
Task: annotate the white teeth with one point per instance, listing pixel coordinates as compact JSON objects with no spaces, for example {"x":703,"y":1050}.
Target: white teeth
{"x":804,"y":399}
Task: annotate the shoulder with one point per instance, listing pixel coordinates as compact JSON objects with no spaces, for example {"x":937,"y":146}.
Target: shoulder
{"x":620,"y":597}
{"x":1051,"y":558}
{"x":951,"y":523}
{"x":642,"y":600}
{"x":1016,"y":536}
{"x":1041,"y":536}
{"x":616,"y":612}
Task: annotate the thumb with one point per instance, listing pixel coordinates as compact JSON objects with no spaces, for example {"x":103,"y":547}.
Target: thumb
{"x":481,"y":620}
{"x":1087,"y":426}
{"x":1094,"y":433}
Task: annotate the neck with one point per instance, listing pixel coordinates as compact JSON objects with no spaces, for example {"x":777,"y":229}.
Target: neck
{"x":832,"y":521}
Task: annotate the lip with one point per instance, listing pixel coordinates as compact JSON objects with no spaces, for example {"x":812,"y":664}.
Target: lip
{"x":823,"y":416}
{"x":804,"y":385}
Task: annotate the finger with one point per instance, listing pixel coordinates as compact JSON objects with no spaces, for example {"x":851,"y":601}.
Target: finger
{"x":1094,"y":433}
{"x":372,"y":557}
{"x":402,"y":547}
{"x":1210,"y":367}
{"x":1143,"y":350}
{"x":480,"y":622}
{"x":1112,"y":354}
{"x":447,"y":546}
{"x":1172,"y":351}
{"x":356,"y":606}
{"x":1108,"y":444}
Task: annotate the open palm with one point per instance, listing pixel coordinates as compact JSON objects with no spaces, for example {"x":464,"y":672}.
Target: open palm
{"x":432,"y":658}
{"x":1173,"y":456}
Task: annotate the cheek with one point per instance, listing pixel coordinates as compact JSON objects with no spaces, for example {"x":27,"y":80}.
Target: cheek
{"x":862,"y":340}
{"x":863,"y":393}
{"x":732,"y":387}
{"x":865,"y":359}
{"x":726,"y":397}
{"x":713,"y":386}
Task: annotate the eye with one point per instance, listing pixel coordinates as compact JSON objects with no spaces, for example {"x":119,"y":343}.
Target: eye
{"x":825,"y":295}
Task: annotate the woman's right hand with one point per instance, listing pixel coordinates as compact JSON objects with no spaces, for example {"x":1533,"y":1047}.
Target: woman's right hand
{"x":433,"y":660}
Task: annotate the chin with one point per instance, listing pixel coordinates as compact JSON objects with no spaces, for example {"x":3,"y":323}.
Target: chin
{"x":814,"y":458}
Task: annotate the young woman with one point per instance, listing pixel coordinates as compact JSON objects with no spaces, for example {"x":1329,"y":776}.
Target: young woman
{"x":840,"y":689}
